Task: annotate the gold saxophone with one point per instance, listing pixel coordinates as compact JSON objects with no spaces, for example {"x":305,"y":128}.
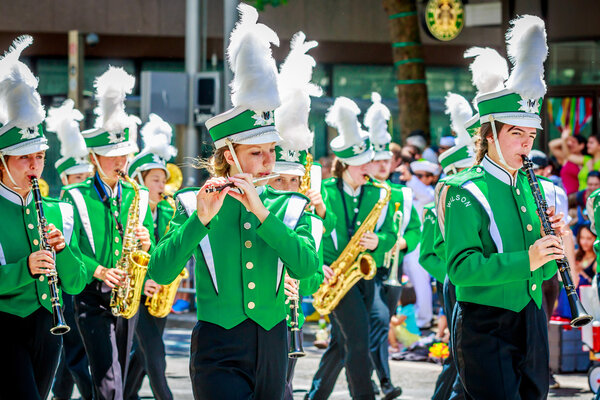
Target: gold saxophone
{"x":125,"y":299}
{"x":353,"y":264}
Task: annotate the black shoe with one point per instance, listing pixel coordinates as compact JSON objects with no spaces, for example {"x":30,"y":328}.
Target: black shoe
{"x":375,"y":387}
{"x":390,"y":391}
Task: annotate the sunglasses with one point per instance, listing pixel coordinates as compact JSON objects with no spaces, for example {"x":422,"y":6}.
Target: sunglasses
{"x":426,"y":175}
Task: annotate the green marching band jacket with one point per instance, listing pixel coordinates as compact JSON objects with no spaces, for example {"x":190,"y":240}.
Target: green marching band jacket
{"x":593,"y":202}
{"x":335,"y":243}
{"x":490,"y":222}
{"x":95,"y":225}
{"x":429,"y":258}
{"x":233,"y":240}
{"x":164,"y":214}
{"x":411,"y":224}
{"x":20,"y":292}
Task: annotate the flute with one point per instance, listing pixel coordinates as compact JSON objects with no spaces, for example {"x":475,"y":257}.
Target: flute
{"x":212,"y":189}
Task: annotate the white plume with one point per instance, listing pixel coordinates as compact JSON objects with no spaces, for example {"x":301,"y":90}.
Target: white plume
{"x":20,"y":103}
{"x":295,"y":88}
{"x":64,"y":120}
{"x":254,"y":84}
{"x":132,"y":123}
{"x":376,"y":119}
{"x":111,"y":89}
{"x":460,"y":112}
{"x":157,"y":135}
{"x":343,"y":116}
{"x":489,"y":69}
{"x":527,"y":50}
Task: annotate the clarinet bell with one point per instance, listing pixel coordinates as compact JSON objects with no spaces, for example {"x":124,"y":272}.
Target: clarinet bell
{"x":579,"y":317}
{"x":59,"y":326}
{"x":295,"y":350}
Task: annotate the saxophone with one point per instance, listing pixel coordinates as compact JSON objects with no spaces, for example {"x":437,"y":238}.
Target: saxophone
{"x":159,"y":305}
{"x":125,"y":299}
{"x":353,"y":264}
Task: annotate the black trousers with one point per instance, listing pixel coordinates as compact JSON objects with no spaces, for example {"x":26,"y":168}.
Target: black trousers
{"x":73,"y":368}
{"x":448,"y":385}
{"x":291,"y":366}
{"x":349,"y":347}
{"x":107,"y":340}
{"x":501,"y":354}
{"x":379,"y":320}
{"x":148,"y":357}
{"x":244,"y":362}
{"x":29,"y":354}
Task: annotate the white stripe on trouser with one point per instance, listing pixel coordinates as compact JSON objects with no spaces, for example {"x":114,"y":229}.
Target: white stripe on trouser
{"x":421,"y":281}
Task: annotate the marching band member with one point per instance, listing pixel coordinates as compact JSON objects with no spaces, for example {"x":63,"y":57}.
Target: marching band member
{"x":352,"y":197}
{"x":293,"y":164}
{"x":244,"y":238}
{"x":149,"y":169}
{"x":29,"y":349}
{"x":432,"y":256}
{"x":500,"y":337}
{"x":376,"y":119}
{"x":102,"y":205}
{"x":72,"y":167}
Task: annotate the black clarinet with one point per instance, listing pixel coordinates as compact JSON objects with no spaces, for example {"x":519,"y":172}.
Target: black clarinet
{"x":579,"y":317}
{"x":295,"y":348}
{"x":59,"y":326}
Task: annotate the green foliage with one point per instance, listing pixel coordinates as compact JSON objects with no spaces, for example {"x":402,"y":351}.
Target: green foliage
{"x":260,"y":4}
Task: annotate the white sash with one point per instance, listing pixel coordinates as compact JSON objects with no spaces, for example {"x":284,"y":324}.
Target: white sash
{"x":83,"y":215}
{"x":66,"y":210}
{"x":493,"y":228}
{"x":293,"y":212}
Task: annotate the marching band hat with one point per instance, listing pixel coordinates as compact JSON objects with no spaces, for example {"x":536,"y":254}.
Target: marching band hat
{"x":352,"y":145}
{"x":376,"y":120}
{"x":462,"y":154}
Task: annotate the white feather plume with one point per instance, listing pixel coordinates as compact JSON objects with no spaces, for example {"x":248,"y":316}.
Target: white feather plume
{"x":111,"y":89}
{"x":460,"y":112}
{"x":343,"y":116}
{"x":295,"y":88}
{"x":527,"y":50}
{"x":376,"y":119}
{"x":157,"y":135}
{"x":64,"y":120}
{"x":254,"y":84}
{"x":20,"y":103}
{"x":489,"y":69}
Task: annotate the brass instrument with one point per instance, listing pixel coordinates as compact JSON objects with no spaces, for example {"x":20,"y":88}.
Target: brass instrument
{"x":579,"y":317}
{"x":353,"y":263}
{"x":159,"y":305}
{"x":175,"y":179}
{"x":59,"y":325}
{"x":305,"y":183}
{"x":44,"y":187}
{"x":392,"y":257}
{"x":125,"y":299}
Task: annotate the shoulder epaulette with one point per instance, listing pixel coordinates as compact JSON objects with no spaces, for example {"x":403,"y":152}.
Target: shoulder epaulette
{"x":187,"y":189}
{"x":469,"y":174}
{"x":331,"y":181}
{"x":276,"y":192}
{"x":86,"y":183}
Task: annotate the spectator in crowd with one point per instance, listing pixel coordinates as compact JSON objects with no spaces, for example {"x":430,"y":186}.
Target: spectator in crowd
{"x":579,"y":198}
{"x":326,"y":165}
{"x":396,"y":150}
{"x":446,"y":142}
{"x":403,"y":326}
{"x":411,"y":152}
{"x":585,"y":258}
{"x":588,"y":163}
{"x":561,"y":149}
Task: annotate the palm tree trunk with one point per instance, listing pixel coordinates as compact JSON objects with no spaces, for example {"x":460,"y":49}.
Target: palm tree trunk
{"x":410,"y":66}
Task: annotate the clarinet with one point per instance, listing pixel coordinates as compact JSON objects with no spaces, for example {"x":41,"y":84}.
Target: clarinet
{"x":295,"y":349}
{"x":579,"y":316}
{"x":59,"y":326}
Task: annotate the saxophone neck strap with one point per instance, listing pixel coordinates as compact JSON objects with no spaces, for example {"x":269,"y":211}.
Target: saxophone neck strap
{"x":350,"y":226}
{"x":101,"y":191}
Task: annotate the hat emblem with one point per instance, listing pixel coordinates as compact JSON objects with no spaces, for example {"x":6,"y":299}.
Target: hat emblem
{"x":262,"y":119}
{"x":29,"y":133}
{"x":379,"y":147}
{"x":290,"y":155}
{"x":115,"y":137}
{"x":529,"y":105}
{"x":359,"y":148}
{"x":156,"y":159}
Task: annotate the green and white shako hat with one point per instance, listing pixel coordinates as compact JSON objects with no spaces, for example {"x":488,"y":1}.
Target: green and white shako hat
{"x":156,"y":136}
{"x":352,"y":145}
{"x":462,"y":154}
{"x":291,"y":118}
{"x":489,"y":71}
{"x":520,"y":102}
{"x":376,"y":120}
{"x":64,"y":121}
{"x":21,"y":110}
{"x":115,"y":132}
{"x":254,"y":90}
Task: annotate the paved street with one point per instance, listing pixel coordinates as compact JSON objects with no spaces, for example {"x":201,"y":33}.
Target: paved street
{"x":416,"y":378}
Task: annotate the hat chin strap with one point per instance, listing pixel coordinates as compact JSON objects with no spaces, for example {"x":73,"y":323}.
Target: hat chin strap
{"x":8,"y":172}
{"x":497,"y":144}
{"x":102,"y":174}
{"x":234,"y":155}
